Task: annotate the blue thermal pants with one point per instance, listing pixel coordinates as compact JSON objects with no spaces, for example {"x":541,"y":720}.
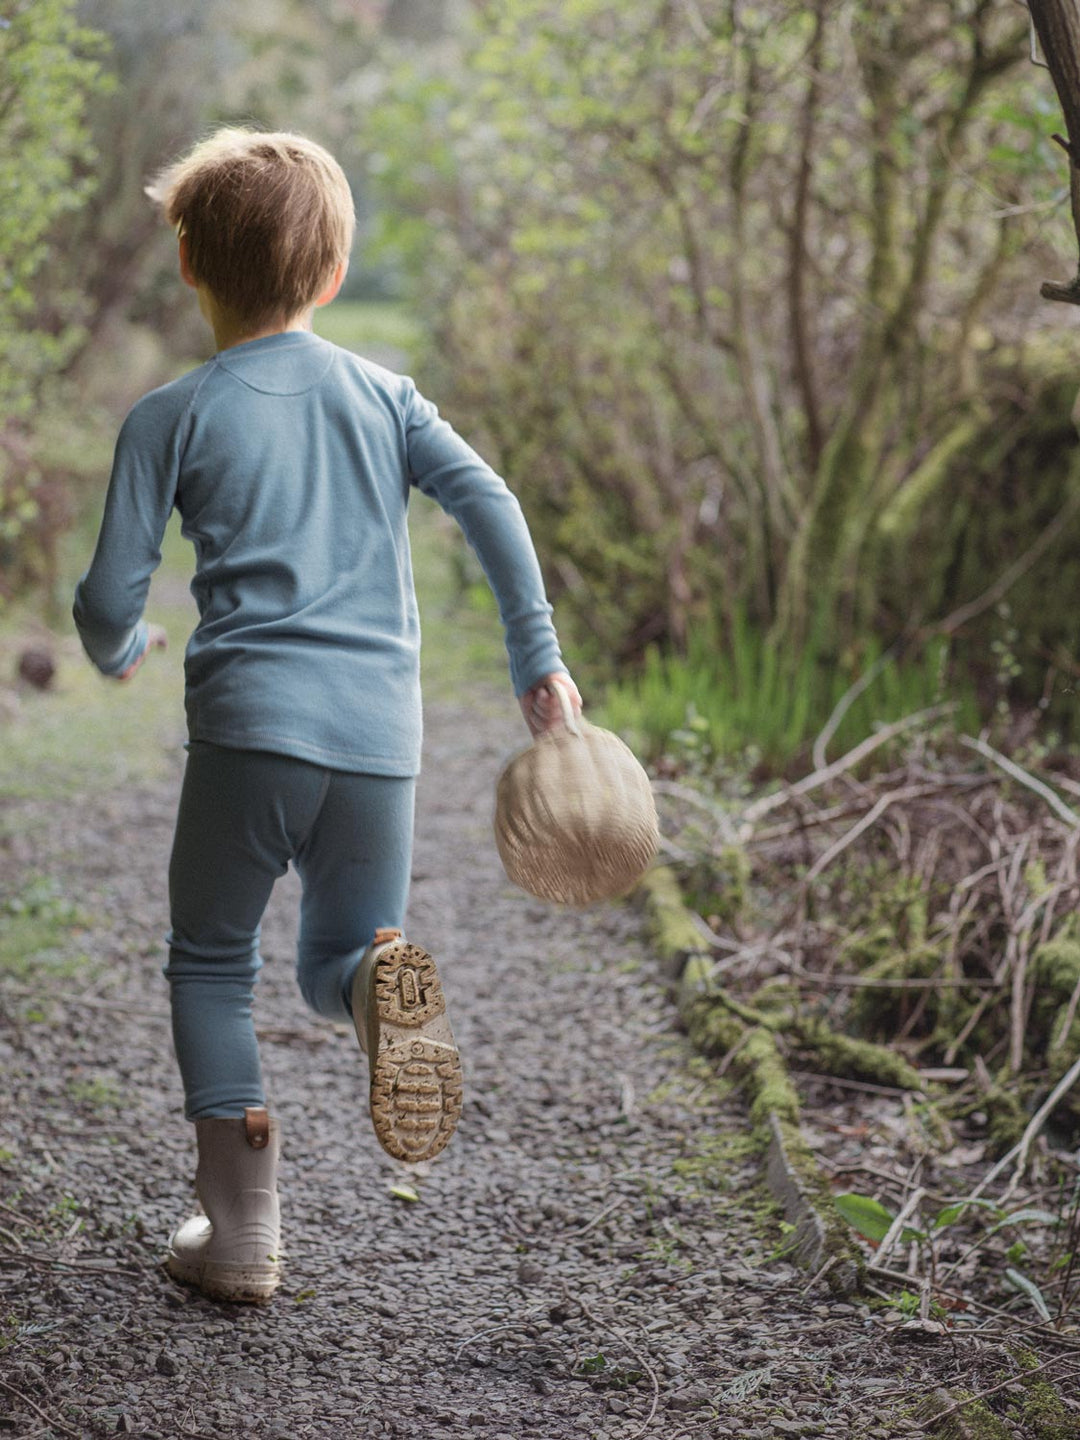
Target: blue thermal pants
{"x":244,"y":815}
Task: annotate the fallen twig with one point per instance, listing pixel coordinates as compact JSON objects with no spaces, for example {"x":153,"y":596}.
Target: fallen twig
{"x":1001,"y":1385}
{"x":1024,"y":777}
{"x":1036,"y":1123}
{"x":699,"y":801}
{"x":874,"y":814}
{"x":634,"y":1351}
{"x":896,"y":1229}
{"x":607,"y":1210}
{"x":49,"y":1419}
{"x":844,"y":704}
{"x":498,"y":1329}
{"x":847,"y":762}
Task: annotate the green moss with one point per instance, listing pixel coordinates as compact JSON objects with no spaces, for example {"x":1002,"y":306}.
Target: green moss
{"x":716,"y":1155}
{"x":776,"y":997}
{"x":716,"y":1027}
{"x":718,"y":883}
{"x":39,"y":930}
{"x":775,"y":1094}
{"x":1042,"y":1410}
{"x":839,"y":1054}
{"x":1057,"y":964}
{"x":1007,"y":1118}
{"x":882,"y":1010}
{"x":711,"y":1028}
{"x":671,"y":927}
{"x":972,"y":1422}
{"x":1055,"y":976}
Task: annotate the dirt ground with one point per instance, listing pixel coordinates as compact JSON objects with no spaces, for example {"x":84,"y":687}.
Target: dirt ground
{"x":594,"y":1255}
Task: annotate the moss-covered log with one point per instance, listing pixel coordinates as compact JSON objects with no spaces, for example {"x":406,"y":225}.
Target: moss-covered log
{"x":671,"y":926}
{"x":842,"y":1055}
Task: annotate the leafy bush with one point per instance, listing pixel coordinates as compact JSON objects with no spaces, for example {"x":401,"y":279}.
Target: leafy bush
{"x":714,"y":289}
{"x":48,"y":69}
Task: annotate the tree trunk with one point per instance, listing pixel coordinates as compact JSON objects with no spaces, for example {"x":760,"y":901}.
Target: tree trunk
{"x":1057,"y":24}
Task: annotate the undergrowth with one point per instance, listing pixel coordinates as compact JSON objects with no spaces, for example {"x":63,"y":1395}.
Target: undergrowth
{"x":734,"y":696}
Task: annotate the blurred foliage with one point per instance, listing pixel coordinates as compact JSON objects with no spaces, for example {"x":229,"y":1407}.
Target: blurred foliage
{"x":738,"y":296}
{"x":734,"y":294}
{"x":49,"y":68}
{"x":731,"y":696}
{"x":94,"y":98}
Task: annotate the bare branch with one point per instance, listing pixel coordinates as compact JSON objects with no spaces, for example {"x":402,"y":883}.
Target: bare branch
{"x":1024,"y":777}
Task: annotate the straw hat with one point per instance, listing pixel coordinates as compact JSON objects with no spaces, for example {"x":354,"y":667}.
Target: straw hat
{"x":575,"y":819}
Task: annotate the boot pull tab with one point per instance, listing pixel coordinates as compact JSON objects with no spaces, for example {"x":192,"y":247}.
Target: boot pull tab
{"x":386,"y":933}
{"x":256,"y":1127}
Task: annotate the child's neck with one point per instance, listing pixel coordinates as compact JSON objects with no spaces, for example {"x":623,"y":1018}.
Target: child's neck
{"x":228,"y":333}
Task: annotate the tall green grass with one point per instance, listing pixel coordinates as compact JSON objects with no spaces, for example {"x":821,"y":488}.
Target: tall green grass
{"x":734,"y":696}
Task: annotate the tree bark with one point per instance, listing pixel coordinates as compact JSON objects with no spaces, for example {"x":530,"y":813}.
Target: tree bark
{"x":1057,"y":24}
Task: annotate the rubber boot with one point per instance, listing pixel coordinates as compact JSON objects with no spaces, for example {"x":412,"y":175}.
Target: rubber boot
{"x":402,"y":1026}
{"x":232,"y":1252}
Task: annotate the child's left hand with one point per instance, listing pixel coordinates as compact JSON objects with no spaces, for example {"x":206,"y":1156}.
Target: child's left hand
{"x":156,"y":639}
{"x":541,"y":706}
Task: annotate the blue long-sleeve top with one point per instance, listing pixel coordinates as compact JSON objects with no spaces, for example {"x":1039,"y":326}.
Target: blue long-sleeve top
{"x":291,"y":462}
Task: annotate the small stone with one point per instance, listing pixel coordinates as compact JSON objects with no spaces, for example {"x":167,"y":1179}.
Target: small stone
{"x":37,"y":668}
{"x":529,"y":1273}
{"x":690,"y":1397}
{"x":166,"y":1365}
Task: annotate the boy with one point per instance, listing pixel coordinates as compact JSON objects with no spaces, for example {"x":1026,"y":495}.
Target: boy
{"x":291,"y":463}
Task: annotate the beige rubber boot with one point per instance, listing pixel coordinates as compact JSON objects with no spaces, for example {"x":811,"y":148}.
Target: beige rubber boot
{"x":233,"y":1251}
{"x":401,"y":1023}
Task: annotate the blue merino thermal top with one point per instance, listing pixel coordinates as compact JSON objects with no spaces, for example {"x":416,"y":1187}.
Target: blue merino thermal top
{"x":291,"y":462}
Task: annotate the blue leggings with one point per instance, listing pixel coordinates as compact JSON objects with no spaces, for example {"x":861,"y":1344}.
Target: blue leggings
{"x":244,"y":815}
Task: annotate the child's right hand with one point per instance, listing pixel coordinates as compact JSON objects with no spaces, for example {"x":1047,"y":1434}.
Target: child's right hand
{"x":156,"y":639}
{"x":541,"y":706}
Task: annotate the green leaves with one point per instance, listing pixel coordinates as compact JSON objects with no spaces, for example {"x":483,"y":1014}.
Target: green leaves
{"x":1031,"y":1290}
{"x":48,"y":69}
{"x":871,"y":1219}
{"x":952,"y":1213}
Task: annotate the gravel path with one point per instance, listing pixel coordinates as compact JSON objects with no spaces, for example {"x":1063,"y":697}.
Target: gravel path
{"x":592,"y":1256}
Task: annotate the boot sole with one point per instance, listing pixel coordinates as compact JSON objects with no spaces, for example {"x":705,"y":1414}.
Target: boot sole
{"x":242,"y":1284}
{"x":416,"y":1081}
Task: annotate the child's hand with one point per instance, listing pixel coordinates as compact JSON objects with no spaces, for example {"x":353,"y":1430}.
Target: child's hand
{"x":156,"y":639}
{"x":541,"y":706}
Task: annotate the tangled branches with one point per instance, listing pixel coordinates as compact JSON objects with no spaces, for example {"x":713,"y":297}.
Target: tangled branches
{"x":929,"y":906}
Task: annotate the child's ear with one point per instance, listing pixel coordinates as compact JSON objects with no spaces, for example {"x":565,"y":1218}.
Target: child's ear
{"x":336,"y":282}
{"x":185,"y":264}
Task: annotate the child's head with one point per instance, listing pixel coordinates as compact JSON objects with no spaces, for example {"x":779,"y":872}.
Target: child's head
{"x":268,"y":219}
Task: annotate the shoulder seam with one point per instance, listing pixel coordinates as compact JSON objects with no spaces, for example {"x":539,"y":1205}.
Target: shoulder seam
{"x":185,"y":417}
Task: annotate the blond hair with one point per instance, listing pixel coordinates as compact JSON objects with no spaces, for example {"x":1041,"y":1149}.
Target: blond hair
{"x":268,"y":218}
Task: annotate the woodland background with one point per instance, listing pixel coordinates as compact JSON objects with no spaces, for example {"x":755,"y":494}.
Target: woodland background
{"x":742,"y":299}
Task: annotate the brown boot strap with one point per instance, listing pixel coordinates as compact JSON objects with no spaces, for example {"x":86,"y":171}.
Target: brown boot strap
{"x":257,"y":1127}
{"x":385,"y":933}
